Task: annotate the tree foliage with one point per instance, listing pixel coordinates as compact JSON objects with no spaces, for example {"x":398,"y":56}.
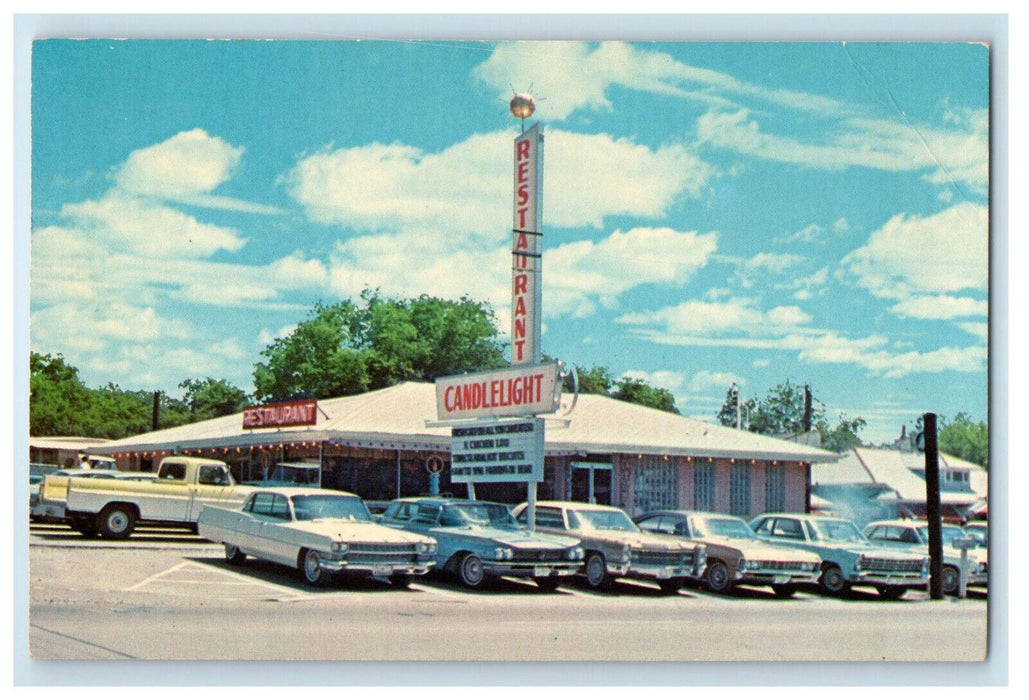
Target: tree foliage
{"x":599,"y":380}
{"x":211,"y":398}
{"x":961,"y":437}
{"x":60,"y":404}
{"x":782,"y":412}
{"x":345,"y":348}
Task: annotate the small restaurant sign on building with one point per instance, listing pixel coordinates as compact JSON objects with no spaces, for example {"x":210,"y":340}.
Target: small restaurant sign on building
{"x":286,"y":414}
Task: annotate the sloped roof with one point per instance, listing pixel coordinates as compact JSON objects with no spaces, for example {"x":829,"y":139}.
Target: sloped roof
{"x":903,"y":472}
{"x":65,"y":443}
{"x":402,"y":417}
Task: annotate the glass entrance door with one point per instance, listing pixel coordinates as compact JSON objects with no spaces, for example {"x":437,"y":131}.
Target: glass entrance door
{"x":591,"y":483}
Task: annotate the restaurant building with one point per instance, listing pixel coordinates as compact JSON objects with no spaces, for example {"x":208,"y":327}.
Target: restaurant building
{"x":379,"y":445}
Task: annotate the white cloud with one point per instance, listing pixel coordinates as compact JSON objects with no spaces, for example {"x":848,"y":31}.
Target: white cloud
{"x":943,"y":253}
{"x":185,"y":168}
{"x":572,"y":76}
{"x":734,"y":317}
{"x":954,"y":157}
{"x":705,"y":380}
{"x":939,"y":307}
{"x":979,"y":330}
{"x":132,"y":224}
{"x":662,"y":379}
{"x":467,"y":188}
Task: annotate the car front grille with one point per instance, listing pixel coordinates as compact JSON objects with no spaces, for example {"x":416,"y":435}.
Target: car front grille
{"x":374,"y":553}
{"x":891,"y":565}
{"x":531,"y":555}
{"x":661,"y":558}
{"x":771,"y":565}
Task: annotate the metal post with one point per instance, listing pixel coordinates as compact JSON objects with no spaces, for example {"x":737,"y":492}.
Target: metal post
{"x":398,"y":473}
{"x":321,"y":452}
{"x":963,"y":574}
{"x":932,"y":507}
{"x":531,"y":507}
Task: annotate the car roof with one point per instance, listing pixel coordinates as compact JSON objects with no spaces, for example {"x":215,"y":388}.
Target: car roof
{"x":291,"y":491}
{"x":576,"y":504}
{"x":691,"y":513}
{"x":445,"y":501}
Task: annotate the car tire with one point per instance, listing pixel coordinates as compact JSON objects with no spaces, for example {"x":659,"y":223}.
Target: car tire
{"x":310,"y":565}
{"x":547,"y":583}
{"x":401,"y":580}
{"x":832,"y":581}
{"x":951,"y":580}
{"x":891,"y":592}
{"x":470,"y":571}
{"x":786,"y":590}
{"x":717,"y":578}
{"x":671,"y":586}
{"x":595,"y":569}
{"x":234,"y":555}
{"x":85,"y":527}
{"x":116,"y":521}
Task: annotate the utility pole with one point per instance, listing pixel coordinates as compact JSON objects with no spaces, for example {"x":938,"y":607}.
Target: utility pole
{"x":932,"y":507}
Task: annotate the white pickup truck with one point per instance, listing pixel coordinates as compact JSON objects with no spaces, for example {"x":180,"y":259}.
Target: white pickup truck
{"x":184,"y":485}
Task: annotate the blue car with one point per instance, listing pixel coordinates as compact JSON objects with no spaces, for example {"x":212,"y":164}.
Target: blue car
{"x":479,"y":540}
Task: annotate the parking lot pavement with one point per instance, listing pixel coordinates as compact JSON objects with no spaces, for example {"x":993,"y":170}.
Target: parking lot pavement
{"x":162,"y":591}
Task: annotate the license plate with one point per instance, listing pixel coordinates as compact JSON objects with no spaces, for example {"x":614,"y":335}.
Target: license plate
{"x":666,"y":572}
{"x":781,"y":579}
{"x":894,"y":579}
{"x":541,"y":571}
{"x":382,"y":570}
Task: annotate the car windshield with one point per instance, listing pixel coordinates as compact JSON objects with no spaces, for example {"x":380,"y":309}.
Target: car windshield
{"x":480,"y":514}
{"x":837,"y":531}
{"x":342,"y":507}
{"x":606,"y":520}
{"x":949,"y":534}
{"x":722,"y":527}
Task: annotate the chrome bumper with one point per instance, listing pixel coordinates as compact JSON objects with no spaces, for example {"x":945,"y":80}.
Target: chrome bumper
{"x":533,"y":570}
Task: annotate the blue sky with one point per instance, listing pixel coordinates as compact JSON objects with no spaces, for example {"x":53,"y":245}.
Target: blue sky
{"x":714,"y":213}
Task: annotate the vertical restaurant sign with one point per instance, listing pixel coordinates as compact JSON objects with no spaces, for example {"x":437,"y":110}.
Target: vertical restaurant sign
{"x":281,"y":415}
{"x":527,"y":247}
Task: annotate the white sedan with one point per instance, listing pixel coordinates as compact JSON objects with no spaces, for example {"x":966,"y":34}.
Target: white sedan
{"x":318,"y":531}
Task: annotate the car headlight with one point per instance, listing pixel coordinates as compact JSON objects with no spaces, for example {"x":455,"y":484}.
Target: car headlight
{"x":626,"y":551}
{"x":340,"y":547}
{"x":502,"y":553}
{"x":576,"y":554}
{"x":426,"y":547}
{"x":925,"y":566}
{"x":741,"y":565}
{"x":858,"y":562}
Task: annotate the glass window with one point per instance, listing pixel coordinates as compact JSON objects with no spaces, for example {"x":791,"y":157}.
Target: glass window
{"x":788,"y":528}
{"x":739,"y":490}
{"x":322,"y":506}
{"x":262,"y":504}
{"x":212,"y":475}
{"x":549,"y":518}
{"x":775,"y":487}
{"x":427,"y":514}
{"x":704,"y":487}
{"x":280,"y":508}
{"x":657,"y":483}
{"x":658,"y":523}
{"x":607,"y":520}
{"x":174,"y":471}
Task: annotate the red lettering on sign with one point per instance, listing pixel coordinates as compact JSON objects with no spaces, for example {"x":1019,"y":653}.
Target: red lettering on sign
{"x":521,"y":284}
{"x":522,"y":242}
{"x":523,"y":149}
{"x":520,"y":309}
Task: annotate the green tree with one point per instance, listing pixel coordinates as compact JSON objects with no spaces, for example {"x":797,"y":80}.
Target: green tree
{"x":966,"y":439}
{"x":842,"y":437}
{"x":344,"y":349}
{"x":595,"y":380}
{"x":57,"y":397}
{"x":782,"y":412}
{"x":599,"y":380}
{"x":210,"y":398}
{"x":640,"y":392}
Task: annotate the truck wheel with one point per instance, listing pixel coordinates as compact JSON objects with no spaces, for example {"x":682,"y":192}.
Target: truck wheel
{"x":117,"y":521}
{"x":234,"y":554}
{"x":85,"y":527}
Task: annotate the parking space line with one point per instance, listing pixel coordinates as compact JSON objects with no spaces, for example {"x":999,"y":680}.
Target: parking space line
{"x":236,"y":579}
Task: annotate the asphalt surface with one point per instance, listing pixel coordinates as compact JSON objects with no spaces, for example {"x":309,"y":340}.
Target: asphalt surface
{"x":170,"y":595}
